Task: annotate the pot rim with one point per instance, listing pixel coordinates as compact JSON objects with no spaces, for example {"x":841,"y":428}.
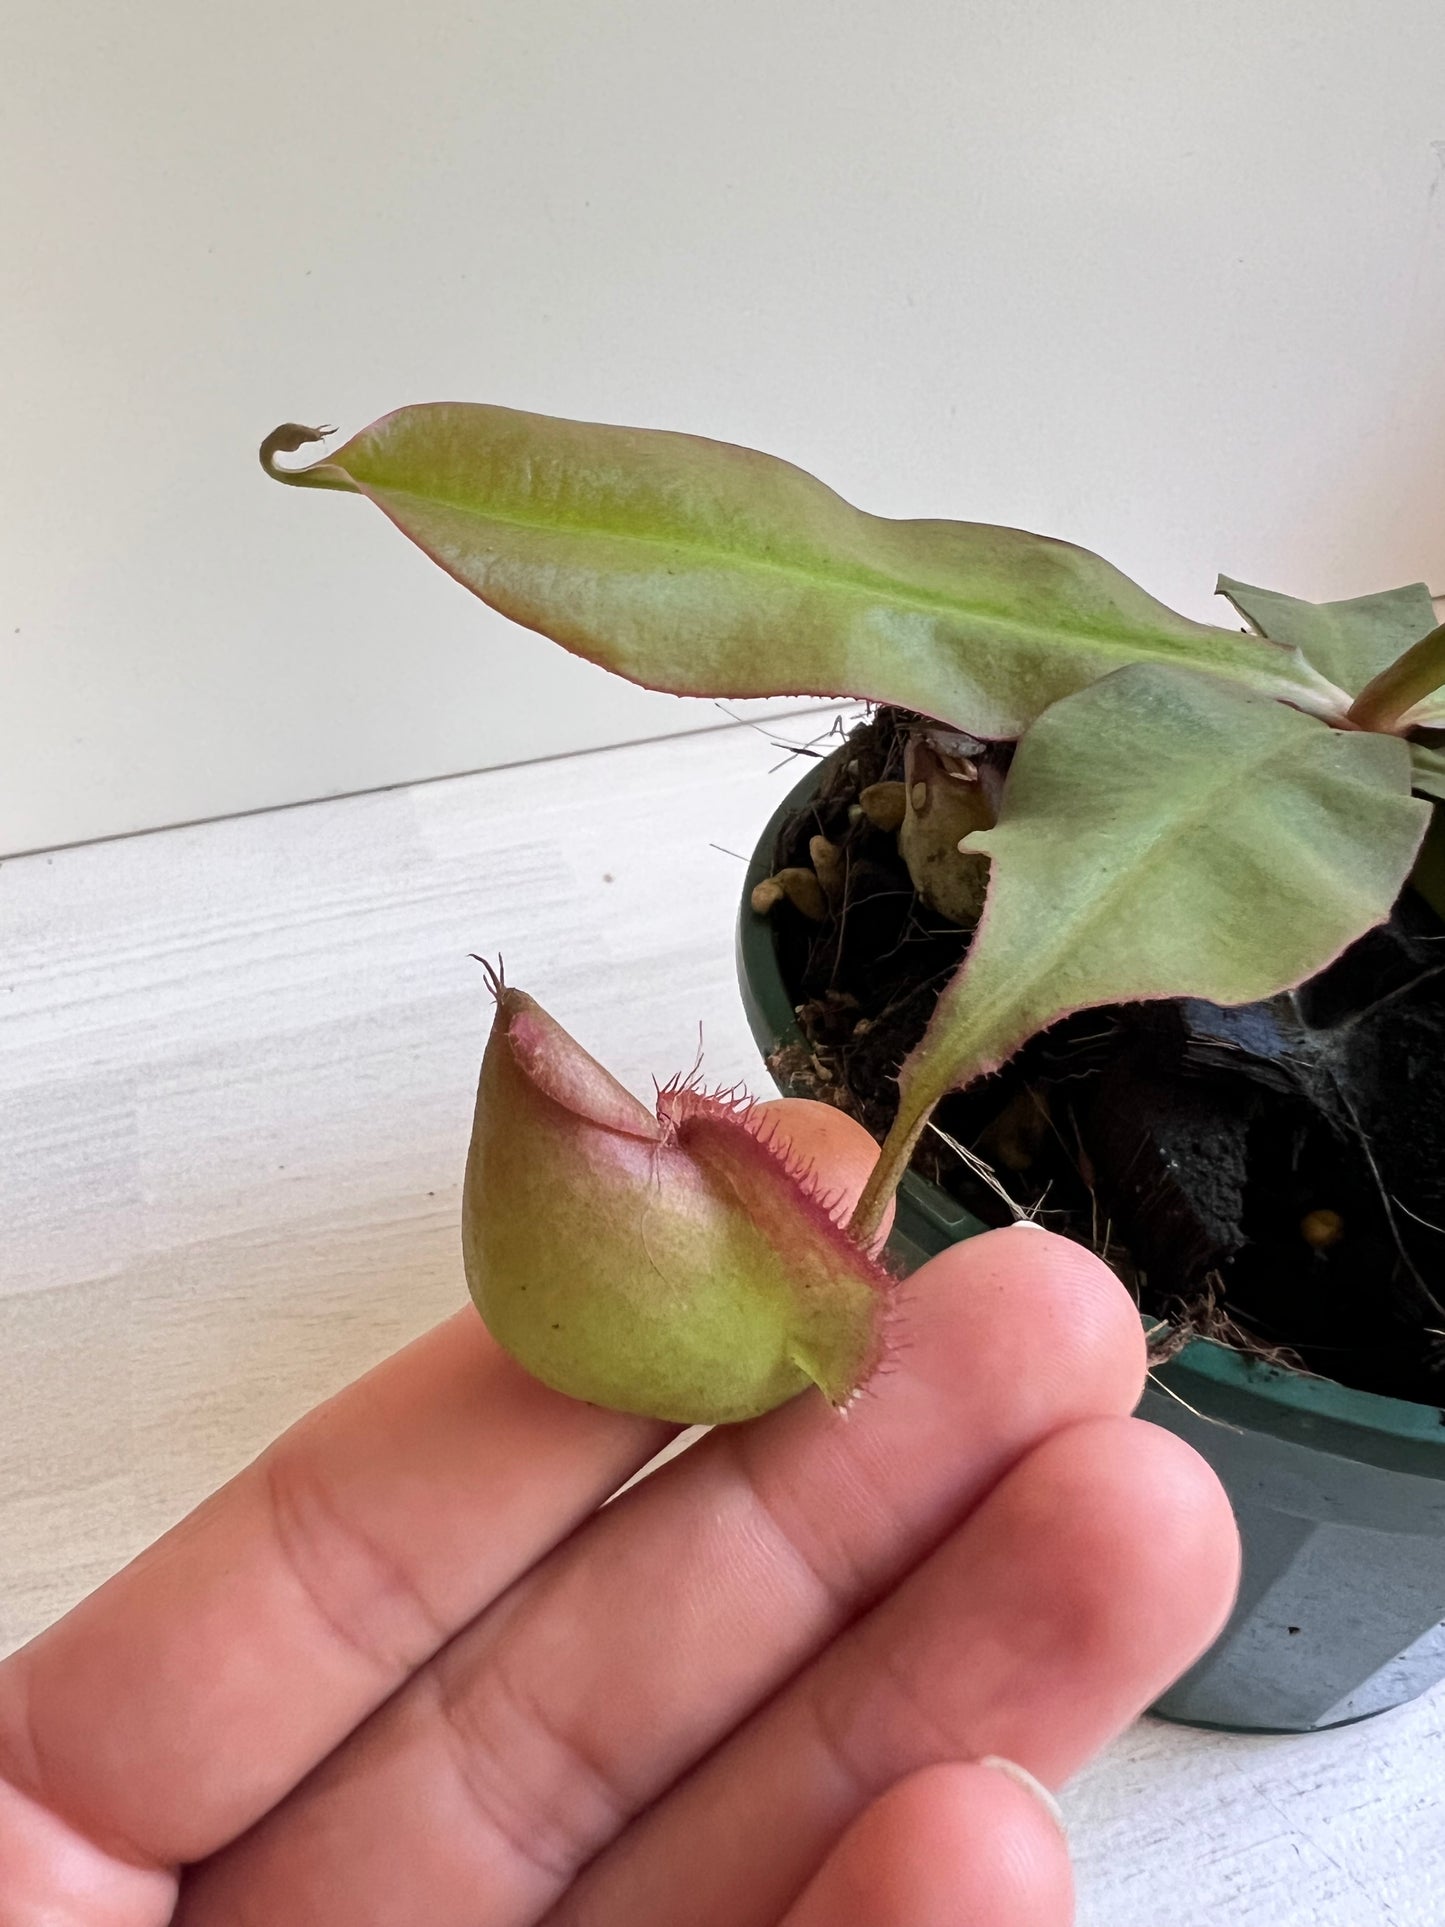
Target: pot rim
{"x":1224,"y":1385}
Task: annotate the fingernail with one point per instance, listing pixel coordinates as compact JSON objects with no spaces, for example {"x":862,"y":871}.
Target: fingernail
{"x":1020,"y":1775}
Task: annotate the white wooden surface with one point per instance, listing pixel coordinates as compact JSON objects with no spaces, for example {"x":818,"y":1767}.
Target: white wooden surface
{"x":236,"y":1071}
{"x":1168,"y":280}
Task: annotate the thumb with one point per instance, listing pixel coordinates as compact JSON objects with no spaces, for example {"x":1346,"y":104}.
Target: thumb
{"x":838,"y":1146}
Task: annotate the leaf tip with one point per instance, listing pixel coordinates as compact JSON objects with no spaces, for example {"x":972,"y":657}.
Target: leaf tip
{"x":286,"y":440}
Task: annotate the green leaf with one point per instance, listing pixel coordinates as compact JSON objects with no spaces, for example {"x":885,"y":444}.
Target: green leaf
{"x":1162,"y":835}
{"x":1350,"y":642}
{"x":706,"y":569}
{"x":1427,"y":771}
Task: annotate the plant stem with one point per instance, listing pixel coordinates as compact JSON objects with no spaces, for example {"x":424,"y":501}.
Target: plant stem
{"x":887,"y":1173}
{"x":1416,"y":675}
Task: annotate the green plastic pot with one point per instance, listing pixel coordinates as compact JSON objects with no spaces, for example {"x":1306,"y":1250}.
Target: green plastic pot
{"x":1340,"y":1495}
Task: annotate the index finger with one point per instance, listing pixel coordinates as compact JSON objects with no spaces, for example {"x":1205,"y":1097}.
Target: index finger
{"x":175,"y":1706}
{"x":179,"y":1702}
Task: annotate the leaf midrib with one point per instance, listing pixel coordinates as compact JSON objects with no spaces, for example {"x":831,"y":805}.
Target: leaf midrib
{"x":1043,"y":958}
{"x":1115,"y":641}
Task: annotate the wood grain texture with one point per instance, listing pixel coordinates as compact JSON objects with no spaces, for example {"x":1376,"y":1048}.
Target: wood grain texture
{"x":236,"y":1074}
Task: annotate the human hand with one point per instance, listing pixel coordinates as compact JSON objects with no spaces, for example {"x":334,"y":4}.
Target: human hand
{"x":409,"y":1670}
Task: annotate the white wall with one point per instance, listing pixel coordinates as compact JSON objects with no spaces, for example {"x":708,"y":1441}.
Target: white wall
{"x":1166,"y":278}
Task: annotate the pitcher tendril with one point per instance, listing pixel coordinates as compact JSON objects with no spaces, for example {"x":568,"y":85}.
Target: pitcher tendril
{"x":285,"y":440}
